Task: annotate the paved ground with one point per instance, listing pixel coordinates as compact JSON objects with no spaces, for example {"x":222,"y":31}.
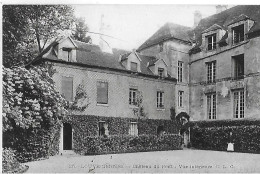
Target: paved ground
{"x":185,"y":161}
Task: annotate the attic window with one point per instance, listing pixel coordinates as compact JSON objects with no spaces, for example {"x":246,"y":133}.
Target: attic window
{"x":133,"y":66}
{"x":238,"y":34}
{"x":160,"y":72}
{"x":211,"y":41}
{"x":68,"y":50}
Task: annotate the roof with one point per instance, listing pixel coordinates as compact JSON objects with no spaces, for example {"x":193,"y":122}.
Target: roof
{"x":166,"y":32}
{"x":212,"y":28}
{"x":91,"y":56}
{"x":227,"y":17}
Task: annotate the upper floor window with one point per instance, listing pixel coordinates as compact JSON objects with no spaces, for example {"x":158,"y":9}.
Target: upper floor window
{"x":133,"y":66}
{"x":102,"y":92}
{"x":160,"y":99}
{"x":161,"y":47}
{"x":180,"y":71}
{"x":133,"y":96}
{"x":211,"y":106}
{"x":161,"y":72}
{"x":67,"y":87}
{"x":212,"y":39}
{"x":238,"y":34}
{"x":211,"y":71}
{"x":239,"y":103}
{"x":238,"y":66}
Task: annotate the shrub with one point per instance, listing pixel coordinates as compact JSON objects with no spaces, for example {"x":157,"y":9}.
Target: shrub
{"x":215,"y":135}
{"x":127,"y":143}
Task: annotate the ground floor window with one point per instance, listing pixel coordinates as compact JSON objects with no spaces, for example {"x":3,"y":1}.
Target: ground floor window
{"x":239,"y":103}
{"x":102,"y":128}
{"x":133,"y":129}
{"x":211,"y":106}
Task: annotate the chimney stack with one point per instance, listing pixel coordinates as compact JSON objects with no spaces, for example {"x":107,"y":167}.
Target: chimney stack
{"x":220,"y":8}
{"x":197,"y":18}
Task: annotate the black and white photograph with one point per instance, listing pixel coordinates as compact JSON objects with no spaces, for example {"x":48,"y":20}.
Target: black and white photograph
{"x":150,"y":87}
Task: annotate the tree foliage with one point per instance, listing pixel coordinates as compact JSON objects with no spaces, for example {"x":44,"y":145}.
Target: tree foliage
{"x":30,"y":99}
{"x":80,"y":30}
{"x":28,"y":28}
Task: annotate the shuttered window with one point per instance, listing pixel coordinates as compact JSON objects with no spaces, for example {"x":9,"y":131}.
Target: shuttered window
{"x":67,"y":88}
{"x":102,"y":92}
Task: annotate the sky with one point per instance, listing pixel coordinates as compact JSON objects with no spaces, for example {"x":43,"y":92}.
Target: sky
{"x":132,"y":25}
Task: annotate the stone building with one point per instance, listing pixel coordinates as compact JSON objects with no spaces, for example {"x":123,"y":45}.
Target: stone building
{"x":216,"y":63}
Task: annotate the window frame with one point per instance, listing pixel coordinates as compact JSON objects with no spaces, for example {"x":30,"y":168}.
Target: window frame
{"x":161,"y":72}
{"x":180,"y":71}
{"x":211,"y":45}
{"x":236,"y":29}
{"x":211,"y":71}
{"x":180,"y":98}
{"x":160,"y":99}
{"x":133,"y":98}
{"x":102,"y":103}
{"x":133,"y":129}
{"x":62,"y":91}
{"x":211,"y":99}
{"x":239,"y":100}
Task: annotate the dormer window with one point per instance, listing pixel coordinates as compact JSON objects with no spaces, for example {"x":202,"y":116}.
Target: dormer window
{"x":69,"y":55}
{"x":238,"y":34}
{"x":212,"y":42}
{"x":161,"y":72}
{"x":133,"y":66}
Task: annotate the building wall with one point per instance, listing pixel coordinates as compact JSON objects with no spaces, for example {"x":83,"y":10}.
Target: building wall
{"x":225,"y":84}
{"x":118,"y":91}
{"x":174,"y":51}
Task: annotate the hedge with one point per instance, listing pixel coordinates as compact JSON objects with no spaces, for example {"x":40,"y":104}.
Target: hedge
{"x":215,"y":135}
{"x":126,"y":143}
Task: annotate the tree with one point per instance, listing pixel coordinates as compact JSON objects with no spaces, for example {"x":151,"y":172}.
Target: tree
{"x":30,"y":27}
{"x":80,"y":31}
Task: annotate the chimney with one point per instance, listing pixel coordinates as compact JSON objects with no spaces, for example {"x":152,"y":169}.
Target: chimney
{"x":197,"y":18}
{"x":220,"y":8}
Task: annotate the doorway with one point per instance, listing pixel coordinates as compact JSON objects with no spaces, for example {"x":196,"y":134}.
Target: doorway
{"x":67,"y":136}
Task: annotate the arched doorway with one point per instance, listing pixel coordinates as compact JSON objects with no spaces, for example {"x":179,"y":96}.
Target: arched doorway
{"x":67,"y":136}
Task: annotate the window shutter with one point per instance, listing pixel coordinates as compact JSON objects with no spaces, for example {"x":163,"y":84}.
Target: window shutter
{"x":67,"y":88}
{"x":102,"y":92}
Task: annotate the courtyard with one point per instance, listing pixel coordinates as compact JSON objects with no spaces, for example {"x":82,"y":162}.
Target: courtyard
{"x":178,"y":161}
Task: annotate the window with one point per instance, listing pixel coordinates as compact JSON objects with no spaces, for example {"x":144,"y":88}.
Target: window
{"x":67,"y":88}
{"x":211,"y":106}
{"x":69,"y":55}
{"x":133,"y":96}
{"x":238,"y":66}
{"x":161,"y":72}
{"x":211,"y":71}
{"x":180,"y":98}
{"x":180,"y":71}
{"x":133,"y":66}
{"x":133,"y":129}
{"x":161,"y":47}
{"x":102,"y":128}
{"x":238,"y":34}
{"x":160,"y":99}
{"x":239,"y":104}
{"x":212,"y":41}
{"x":102,"y":92}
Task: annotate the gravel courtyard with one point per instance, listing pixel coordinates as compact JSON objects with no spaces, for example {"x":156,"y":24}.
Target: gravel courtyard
{"x":186,"y":161}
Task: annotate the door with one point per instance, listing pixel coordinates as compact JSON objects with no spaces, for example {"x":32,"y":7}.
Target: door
{"x":67,"y":136}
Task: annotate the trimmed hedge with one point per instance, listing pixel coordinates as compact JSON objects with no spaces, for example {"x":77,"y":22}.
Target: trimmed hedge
{"x":215,"y":135}
{"x":126,"y":143}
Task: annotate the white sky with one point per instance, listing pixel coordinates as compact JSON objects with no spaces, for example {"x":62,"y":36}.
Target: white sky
{"x":133,"y":24}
